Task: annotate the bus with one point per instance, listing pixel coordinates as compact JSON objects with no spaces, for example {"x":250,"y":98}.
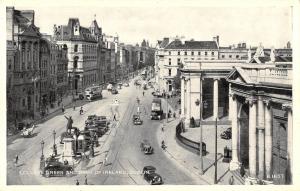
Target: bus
{"x":93,"y":92}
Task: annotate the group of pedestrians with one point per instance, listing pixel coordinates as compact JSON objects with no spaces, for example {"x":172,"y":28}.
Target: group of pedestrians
{"x":85,"y":181}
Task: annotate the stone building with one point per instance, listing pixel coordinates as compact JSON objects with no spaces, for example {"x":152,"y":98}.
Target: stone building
{"x":170,"y":56}
{"x":23,"y":42}
{"x":83,"y":50}
{"x":256,"y":98}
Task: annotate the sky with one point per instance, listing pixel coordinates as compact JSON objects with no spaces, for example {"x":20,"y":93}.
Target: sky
{"x":272,"y":26}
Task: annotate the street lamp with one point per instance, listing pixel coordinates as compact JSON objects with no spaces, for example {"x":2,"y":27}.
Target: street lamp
{"x":42,"y":161}
{"x":54,"y":145}
{"x":42,"y":145}
{"x":199,"y":103}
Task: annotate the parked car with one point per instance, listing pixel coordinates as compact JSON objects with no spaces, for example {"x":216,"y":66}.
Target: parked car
{"x":137,"y":120}
{"x":114,"y":91}
{"x":226,"y":134}
{"x":90,"y":119}
{"x":151,"y":176}
{"x":146,"y":147}
{"x":56,"y":168}
{"x":126,"y":84}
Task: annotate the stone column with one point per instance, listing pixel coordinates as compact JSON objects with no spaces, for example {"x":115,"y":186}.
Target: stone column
{"x":268,"y":140}
{"x":230,"y":103}
{"x":234,"y":163}
{"x":289,"y":174}
{"x":182,"y":97}
{"x":252,"y":137}
{"x":261,"y":137}
{"x":216,"y":98}
{"x":188,"y":102}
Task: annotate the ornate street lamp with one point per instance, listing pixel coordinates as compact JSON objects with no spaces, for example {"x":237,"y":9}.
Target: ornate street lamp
{"x":42,"y":145}
{"x":54,"y":145}
{"x":42,"y":161}
{"x":199,"y":103}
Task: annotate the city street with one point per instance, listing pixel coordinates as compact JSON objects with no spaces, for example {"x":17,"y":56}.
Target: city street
{"x":125,"y":160}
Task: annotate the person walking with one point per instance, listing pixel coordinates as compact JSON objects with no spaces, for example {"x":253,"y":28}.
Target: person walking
{"x":143,"y":93}
{"x":85,"y":180}
{"x":63,"y":108}
{"x":114,"y":119}
{"x":77,"y":183}
{"x":81,"y":110}
{"x":231,"y":180}
{"x":16,"y":159}
{"x":74,"y":106}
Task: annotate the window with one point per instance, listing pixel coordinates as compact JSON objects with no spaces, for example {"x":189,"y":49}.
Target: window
{"x":169,"y":52}
{"x":170,"y":72}
{"x":23,"y":102}
{"x":170,"y":62}
{"x":178,"y":52}
{"x":212,"y":53}
{"x":76,"y":48}
{"x":237,"y":56}
{"x":178,"y":61}
{"x":205,"y":53}
{"x":9,"y":64}
{"x":199,"y":53}
{"x":185,"y":52}
{"x":230,"y":56}
{"x":192,"y":53}
{"x":223,"y":56}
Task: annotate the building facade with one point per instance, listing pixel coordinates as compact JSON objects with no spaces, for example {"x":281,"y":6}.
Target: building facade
{"x":83,"y":51}
{"x":256,"y":96}
{"x":170,"y":57}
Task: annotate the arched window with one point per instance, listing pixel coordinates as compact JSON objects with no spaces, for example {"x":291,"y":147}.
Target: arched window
{"x":76,"y":48}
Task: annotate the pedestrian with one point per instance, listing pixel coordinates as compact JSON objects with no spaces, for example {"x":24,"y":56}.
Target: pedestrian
{"x":242,"y":170}
{"x":63,"y":108}
{"x":16,"y":159}
{"x":143,"y":93}
{"x":174,"y":115}
{"x":47,"y":110}
{"x":85,"y":180}
{"x":114,"y":118}
{"x":231,"y":180}
{"x":74,"y":107}
{"x":81,"y":110}
{"x":77,"y":182}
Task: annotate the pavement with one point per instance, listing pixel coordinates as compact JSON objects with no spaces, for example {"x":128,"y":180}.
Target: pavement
{"x":190,"y":160}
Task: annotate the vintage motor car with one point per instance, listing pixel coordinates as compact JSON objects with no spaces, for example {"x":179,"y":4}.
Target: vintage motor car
{"x":137,"y":120}
{"x":27,"y":132}
{"x":226,"y":134}
{"x":56,"y":168}
{"x":90,"y":119}
{"x":146,"y":147}
{"x":114,"y":91}
{"x":151,"y":176}
{"x":126,"y":84}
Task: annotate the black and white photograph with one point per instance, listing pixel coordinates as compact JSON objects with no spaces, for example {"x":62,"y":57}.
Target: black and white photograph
{"x":148,"y":93}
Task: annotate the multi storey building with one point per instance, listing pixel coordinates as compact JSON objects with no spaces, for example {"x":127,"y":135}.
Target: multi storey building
{"x":259,"y":101}
{"x":83,"y":51}
{"x":23,"y":42}
{"x":171,"y":56}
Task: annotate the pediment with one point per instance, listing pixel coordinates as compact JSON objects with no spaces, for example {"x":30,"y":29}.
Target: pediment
{"x":239,"y":76}
{"x":31,"y":30}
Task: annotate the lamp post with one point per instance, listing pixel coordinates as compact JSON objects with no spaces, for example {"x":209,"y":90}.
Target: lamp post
{"x":199,"y":103}
{"x":42,"y":161}
{"x":54,"y":145}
